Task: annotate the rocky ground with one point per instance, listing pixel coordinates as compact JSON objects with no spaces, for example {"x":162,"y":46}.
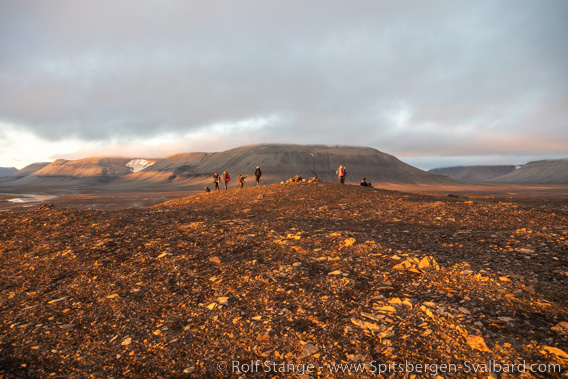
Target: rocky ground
{"x":295,"y":280}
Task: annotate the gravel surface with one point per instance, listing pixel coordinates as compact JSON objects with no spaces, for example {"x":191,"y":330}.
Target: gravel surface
{"x":295,"y":280}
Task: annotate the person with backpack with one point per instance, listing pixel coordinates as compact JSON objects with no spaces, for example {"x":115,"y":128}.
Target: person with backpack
{"x":241,"y":181}
{"x":216,"y":181}
{"x":226,"y":178}
{"x":341,"y":174}
{"x":257,"y":174}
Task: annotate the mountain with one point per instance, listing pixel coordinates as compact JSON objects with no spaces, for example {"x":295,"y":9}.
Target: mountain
{"x":5,"y":171}
{"x":66,"y":173}
{"x":28,"y":170}
{"x":473,"y":174}
{"x":538,"y":172}
{"x":278,"y":163}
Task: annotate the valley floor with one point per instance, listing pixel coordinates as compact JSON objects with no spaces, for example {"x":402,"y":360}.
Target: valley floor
{"x":85,"y":199}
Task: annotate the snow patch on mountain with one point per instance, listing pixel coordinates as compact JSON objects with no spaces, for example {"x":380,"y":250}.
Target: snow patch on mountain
{"x":139,"y":164}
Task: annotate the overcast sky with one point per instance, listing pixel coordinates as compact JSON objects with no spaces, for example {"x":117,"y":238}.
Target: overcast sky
{"x":435,"y":83}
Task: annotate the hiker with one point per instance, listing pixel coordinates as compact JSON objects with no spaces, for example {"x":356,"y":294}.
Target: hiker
{"x":341,"y":174}
{"x":226,"y":178}
{"x":257,"y":174}
{"x":216,"y":181}
{"x":242,"y":180}
{"x":364,"y":183}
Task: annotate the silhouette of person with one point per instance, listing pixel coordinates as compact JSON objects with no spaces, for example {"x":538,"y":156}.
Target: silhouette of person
{"x":216,"y":181}
{"x":257,"y":174}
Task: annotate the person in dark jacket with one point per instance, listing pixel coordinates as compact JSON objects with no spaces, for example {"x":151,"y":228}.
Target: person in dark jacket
{"x":241,"y":181}
{"x":364,"y":183}
{"x":257,"y":174}
{"x":216,"y":181}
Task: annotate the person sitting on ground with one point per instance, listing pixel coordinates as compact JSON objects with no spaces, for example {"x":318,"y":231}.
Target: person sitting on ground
{"x":364,"y":183}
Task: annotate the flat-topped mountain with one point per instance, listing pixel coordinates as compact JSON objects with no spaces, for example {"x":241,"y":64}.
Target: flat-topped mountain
{"x":62,"y":173}
{"x":100,"y":168}
{"x":278,"y":162}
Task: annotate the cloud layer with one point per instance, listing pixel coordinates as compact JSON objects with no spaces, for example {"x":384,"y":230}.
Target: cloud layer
{"x":411,"y":78}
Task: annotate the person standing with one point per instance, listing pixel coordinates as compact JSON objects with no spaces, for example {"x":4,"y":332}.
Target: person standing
{"x":241,"y":181}
{"x":341,"y":174}
{"x":216,"y":181}
{"x":226,"y":178}
{"x":257,"y":174}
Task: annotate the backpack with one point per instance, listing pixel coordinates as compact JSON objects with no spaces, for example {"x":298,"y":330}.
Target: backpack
{"x":228,"y":177}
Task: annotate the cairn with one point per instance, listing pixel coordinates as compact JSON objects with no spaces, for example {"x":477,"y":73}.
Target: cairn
{"x":299,"y":179}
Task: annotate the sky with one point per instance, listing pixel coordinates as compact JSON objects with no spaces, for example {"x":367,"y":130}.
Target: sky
{"x":434,"y":83}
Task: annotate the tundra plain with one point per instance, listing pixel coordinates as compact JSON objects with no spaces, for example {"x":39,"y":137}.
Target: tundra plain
{"x":288,"y":275}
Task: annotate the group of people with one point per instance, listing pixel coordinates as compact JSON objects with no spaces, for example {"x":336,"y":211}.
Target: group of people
{"x":342,"y":174}
{"x":226,"y":177}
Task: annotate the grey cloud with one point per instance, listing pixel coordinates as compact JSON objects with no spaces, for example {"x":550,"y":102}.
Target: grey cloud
{"x":335,"y":72}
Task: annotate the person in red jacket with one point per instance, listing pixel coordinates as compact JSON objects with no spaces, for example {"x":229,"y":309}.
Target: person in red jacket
{"x":341,"y":174}
{"x":226,"y":178}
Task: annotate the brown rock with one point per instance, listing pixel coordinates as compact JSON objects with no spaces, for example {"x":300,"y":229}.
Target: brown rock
{"x":477,"y":343}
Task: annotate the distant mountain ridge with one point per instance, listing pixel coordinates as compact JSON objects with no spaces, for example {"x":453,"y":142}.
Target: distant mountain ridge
{"x":28,"y":170}
{"x":538,"y":172}
{"x":279,"y":162}
{"x":193,"y":170}
{"x":5,"y":171}
{"x":473,"y":174}
{"x":552,"y":172}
